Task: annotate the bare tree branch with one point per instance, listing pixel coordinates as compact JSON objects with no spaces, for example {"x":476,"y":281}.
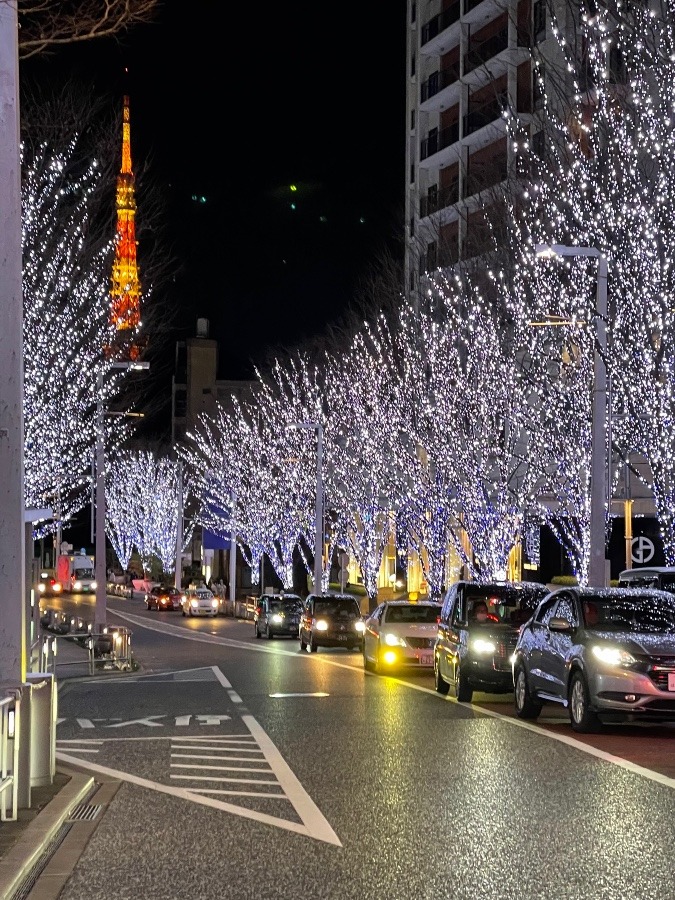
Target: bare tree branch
{"x":45,"y":25}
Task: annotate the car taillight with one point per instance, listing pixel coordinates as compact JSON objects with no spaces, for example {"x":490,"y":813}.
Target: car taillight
{"x":258,"y":611}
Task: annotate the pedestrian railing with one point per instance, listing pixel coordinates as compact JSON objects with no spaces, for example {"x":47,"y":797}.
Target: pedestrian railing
{"x":91,"y":651}
{"x":9,"y":755}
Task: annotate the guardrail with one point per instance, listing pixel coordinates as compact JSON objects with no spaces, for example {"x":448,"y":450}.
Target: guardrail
{"x":74,"y":643}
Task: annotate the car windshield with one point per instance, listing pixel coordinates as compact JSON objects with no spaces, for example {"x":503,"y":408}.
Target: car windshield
{"x":336,"y":607}
{"x":84,"y":572}
{"x":286,"y":606}
{"x":502,"y":604}
{"x":651,"y":613}
{"x":414,"y":614}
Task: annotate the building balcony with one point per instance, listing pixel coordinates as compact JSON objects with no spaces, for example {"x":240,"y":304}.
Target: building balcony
{"x":480,"y":116}
{"x":483,"y":51}
{"x":438,"y":81}
{"x":437,"y":25}
{"x":439,"y":140}
{"x":436,"y":200}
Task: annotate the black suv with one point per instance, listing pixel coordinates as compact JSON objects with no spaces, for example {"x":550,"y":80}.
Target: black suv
{"x":331,"y":620}
{"x":477,"y":635}
{"x":277,"y":614}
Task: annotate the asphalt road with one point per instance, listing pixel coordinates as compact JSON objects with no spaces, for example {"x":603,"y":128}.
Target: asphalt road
{"x":251,"y":770}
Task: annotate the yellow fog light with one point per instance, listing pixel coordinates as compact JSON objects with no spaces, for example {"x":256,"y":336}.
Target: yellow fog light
{"x":389,"y":657}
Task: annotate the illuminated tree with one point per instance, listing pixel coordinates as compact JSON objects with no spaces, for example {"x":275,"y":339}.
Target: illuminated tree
{"x":606,"y":181}
{"x":142,"y":500}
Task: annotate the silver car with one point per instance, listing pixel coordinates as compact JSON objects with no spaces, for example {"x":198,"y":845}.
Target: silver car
{"x":604,"y":653}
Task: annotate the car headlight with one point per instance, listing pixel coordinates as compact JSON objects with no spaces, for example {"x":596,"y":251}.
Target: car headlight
{"x":360,"y":626}
{"x":481,"y":646}
{"x":277,"y":618}
{"x":41,"y":588}
{"x":94,"y":585}
{"x":613,"y":656}
{"x":194,"y":602}
{"x":56,"y":587}
{"x":214,"y":603}
{"x":77,"y":586}
{"x":321,"y":625}
{"x":393,"y":640}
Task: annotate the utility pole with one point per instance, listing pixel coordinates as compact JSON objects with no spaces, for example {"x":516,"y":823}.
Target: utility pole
{"x":12,"y":549}
{"x":178,"y":577}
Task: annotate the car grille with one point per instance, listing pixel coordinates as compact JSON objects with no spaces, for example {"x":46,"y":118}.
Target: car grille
{"x":503,"y":653}
{"x":419,"y":643}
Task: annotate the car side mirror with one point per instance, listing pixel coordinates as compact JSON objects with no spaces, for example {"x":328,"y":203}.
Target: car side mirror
{"x":559,"y":624}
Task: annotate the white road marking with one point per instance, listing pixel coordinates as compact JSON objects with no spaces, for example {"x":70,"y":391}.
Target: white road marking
{"x":234,"y":697}
{"x":199,"y":756}
{"x":202,"y":767}
{"x":313,"y":824}
{"x":314,"y":694}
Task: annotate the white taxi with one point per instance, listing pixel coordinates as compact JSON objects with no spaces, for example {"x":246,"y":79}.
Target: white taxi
{"x":401,"y":633}
{"x":199,"y":602}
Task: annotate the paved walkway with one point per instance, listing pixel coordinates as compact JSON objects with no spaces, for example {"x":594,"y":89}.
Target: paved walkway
{"x":27,"y":844}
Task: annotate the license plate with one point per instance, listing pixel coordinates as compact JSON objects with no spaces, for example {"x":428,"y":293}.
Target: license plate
{"x":671,"y":681}
{"x":342,"y":637}
{"x":426,"y":659}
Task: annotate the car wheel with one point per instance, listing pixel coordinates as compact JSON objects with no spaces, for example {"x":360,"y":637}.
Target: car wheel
{"x":184,"y":613}
{"x":303,"y":645}
{"x":149,"y":605}
{"x":441,"y":685}
{"x":463,"y":690}
{"x":582,"y":717}
{"x":526,"y":707}
{"x":269,"y":634}
{"x":257,"y":633}
{"x":367,"y":664}
{"x":312,"y":644}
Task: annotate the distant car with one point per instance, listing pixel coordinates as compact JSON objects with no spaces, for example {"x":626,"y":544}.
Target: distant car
{"x":477,"y":635}
{"x":199,"y":602}
{"x":48,"y":584}
{"x":401,"y":633}
{"x":331,"y":620}
{"x":163,"y":597}
{"x":661,"y":577}
{"x":277,"y":615}
{"x":600,"y":652}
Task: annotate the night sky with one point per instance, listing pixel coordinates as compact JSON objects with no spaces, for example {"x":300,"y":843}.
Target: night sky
{"x":231,"y":105}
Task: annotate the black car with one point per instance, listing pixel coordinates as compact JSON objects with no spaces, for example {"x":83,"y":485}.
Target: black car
{"x":277,"y":615}
{"x":331,"y":620}
{"x":604,"y":653}
{"x":477,"y":635}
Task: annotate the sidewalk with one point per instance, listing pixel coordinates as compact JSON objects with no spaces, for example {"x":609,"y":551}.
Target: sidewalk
{"x":47,"y":839}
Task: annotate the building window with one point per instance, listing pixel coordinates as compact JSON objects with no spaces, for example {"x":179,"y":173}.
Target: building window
{"x":412,"y":226}
{"x":538,"y":91}
{"x":413,"y":13}
{"x":412,"y":173}
{"x":539,"y":23}
{"x":412,"y":66}
{"x":412,"y":119}
{"x":432,"y":256}
{"x":180,"y":404}
{"x":539,"y":144}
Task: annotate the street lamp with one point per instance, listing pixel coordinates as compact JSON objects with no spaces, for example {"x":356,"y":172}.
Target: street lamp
{"x":318,"y":512}
{"x":599,"y":480}
{"x":100,"y":611}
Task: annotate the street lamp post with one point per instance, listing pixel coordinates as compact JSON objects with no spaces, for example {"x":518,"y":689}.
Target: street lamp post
{"x":599,"y":480}
{"x":318,"y":509}
{"x":100,"y":611}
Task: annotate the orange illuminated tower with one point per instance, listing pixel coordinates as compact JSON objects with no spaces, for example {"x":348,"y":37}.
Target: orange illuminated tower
{"x":125,"y":292}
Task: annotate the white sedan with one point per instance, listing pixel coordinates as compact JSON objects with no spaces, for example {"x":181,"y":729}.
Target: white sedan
{"x":199,"y":602}
{"x":401,"y":633}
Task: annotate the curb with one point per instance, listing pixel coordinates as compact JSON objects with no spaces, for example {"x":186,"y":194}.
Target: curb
{"x":16,"y":865}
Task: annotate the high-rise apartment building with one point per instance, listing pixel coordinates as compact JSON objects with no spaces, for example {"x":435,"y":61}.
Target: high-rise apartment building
{"x":468,"y":61}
